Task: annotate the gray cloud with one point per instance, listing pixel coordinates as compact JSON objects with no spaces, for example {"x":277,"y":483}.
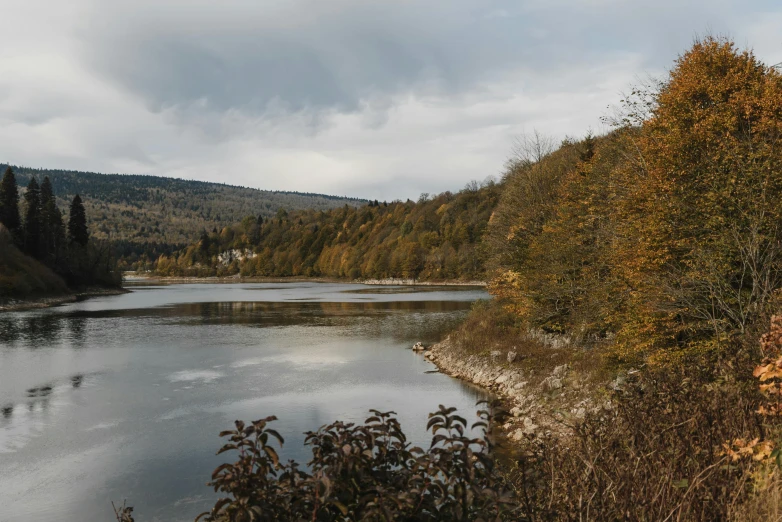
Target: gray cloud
{"x":314,"y":54}
{"x":381,"y":99}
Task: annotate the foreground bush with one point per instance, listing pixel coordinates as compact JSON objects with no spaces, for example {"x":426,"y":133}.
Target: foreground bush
{"x":364,"y":472}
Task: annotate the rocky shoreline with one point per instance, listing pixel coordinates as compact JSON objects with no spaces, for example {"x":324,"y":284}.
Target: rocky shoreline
{"x":540,"y":403}
{"x":136,"y":278}
{"x":15,"y":305}
{"x":415,"y":282}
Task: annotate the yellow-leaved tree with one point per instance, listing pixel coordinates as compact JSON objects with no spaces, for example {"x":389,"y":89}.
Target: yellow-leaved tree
{"x":699,"y":228}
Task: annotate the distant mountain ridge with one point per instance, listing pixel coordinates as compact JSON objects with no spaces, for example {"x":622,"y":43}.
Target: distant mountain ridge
{"x":145,"y":215}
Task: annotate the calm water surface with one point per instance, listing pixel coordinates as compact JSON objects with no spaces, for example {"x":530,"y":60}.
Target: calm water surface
{"x":123,"y":397}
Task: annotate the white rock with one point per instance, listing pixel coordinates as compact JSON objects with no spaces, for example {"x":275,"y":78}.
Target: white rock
{"x":512,"y":356}
{"x":560,"y":371}
{"x":551,"y":383}
{"x":529,"y":426}
{"x":518,"y":435}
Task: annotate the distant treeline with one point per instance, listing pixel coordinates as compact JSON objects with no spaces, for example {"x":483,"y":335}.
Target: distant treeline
{"x":437,"y":238}
{"x":36,"y":229}
{"x":147,"y":216}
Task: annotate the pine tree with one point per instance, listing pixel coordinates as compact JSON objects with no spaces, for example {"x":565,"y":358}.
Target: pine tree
{"x":52,"y":228}
{"x":32,"y":220}
{"x":77,"y":223}
{"x":9,"y":204}
{"x":203,"y":246}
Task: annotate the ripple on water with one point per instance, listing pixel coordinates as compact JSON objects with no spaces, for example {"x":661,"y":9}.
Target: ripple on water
{"x":195,"y":375}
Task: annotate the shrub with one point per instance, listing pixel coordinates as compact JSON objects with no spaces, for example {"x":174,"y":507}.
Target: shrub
{"x":364,"y":472}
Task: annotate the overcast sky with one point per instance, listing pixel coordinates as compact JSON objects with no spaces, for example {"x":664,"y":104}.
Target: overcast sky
{"x":370,"y":98}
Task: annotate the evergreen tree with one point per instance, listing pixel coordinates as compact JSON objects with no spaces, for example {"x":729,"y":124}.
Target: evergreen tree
{"x":9,"y":203}
{"x":52,"y":228}
{"x":32,"y":220}
{"x":204,"y":245}
{"x":77,"y":223}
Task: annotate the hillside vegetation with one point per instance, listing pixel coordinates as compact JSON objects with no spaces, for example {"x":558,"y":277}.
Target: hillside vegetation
{"x":650,"y":257}
{"x":41,"y":254}
{"x":144,"y":216}
{"x":665,"y":233}
{"x":22,"y":276}
{"x":437,"y":238}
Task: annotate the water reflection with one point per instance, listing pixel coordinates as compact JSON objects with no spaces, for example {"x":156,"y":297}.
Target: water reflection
{"x":43,"y":329}
{"x":39,"y":330}
{"x":131,"y":391}
{"x":10,"y":332}
{"x":77,"y":326}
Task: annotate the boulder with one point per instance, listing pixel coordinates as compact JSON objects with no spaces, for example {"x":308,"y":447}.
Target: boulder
{"x":560,"y":371}
{"x":512,"y":356}
{"x":419,"y":347}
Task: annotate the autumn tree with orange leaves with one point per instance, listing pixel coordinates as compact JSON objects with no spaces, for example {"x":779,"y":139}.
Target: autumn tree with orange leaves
{"x":666,"y":232}
{"x":699,"y":227}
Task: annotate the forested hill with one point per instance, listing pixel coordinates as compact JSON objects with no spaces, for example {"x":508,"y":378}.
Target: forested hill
{"x":153,"y":214}
{"x":437,"y":238}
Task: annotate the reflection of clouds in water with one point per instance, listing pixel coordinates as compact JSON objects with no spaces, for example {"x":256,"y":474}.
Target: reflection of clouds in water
{"x":178,"y":413}
{"x":17,"y":431}
{"x":247,"y":362}
{"x":104,"y":425}
{"x":68,"y":477}
{"x":309,"y":363}
{"x":197,"y":499}
{"x":195,"y":375}
{"x":327,"y":356}
{"x":309,"y":359}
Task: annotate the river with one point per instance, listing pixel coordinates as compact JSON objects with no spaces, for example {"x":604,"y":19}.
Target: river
{"x":122,"y":397}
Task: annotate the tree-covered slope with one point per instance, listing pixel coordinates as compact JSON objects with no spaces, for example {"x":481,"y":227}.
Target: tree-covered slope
{"x":22,"y":276}
{"x":436,"y":238}
{"x":153,"y":214}
{"x":663,"y":236}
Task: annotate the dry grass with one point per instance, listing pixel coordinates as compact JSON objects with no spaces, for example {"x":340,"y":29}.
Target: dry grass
{"x":654,"y":453}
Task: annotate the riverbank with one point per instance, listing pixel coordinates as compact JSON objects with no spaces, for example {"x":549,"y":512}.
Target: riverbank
{"x":13,"y":305}
{"x":544,"y":393}
{"x":135,"y":278}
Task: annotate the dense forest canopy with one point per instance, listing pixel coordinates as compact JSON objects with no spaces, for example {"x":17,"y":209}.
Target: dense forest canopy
{"x":146,"y":216}
{"x":436,"y":238}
